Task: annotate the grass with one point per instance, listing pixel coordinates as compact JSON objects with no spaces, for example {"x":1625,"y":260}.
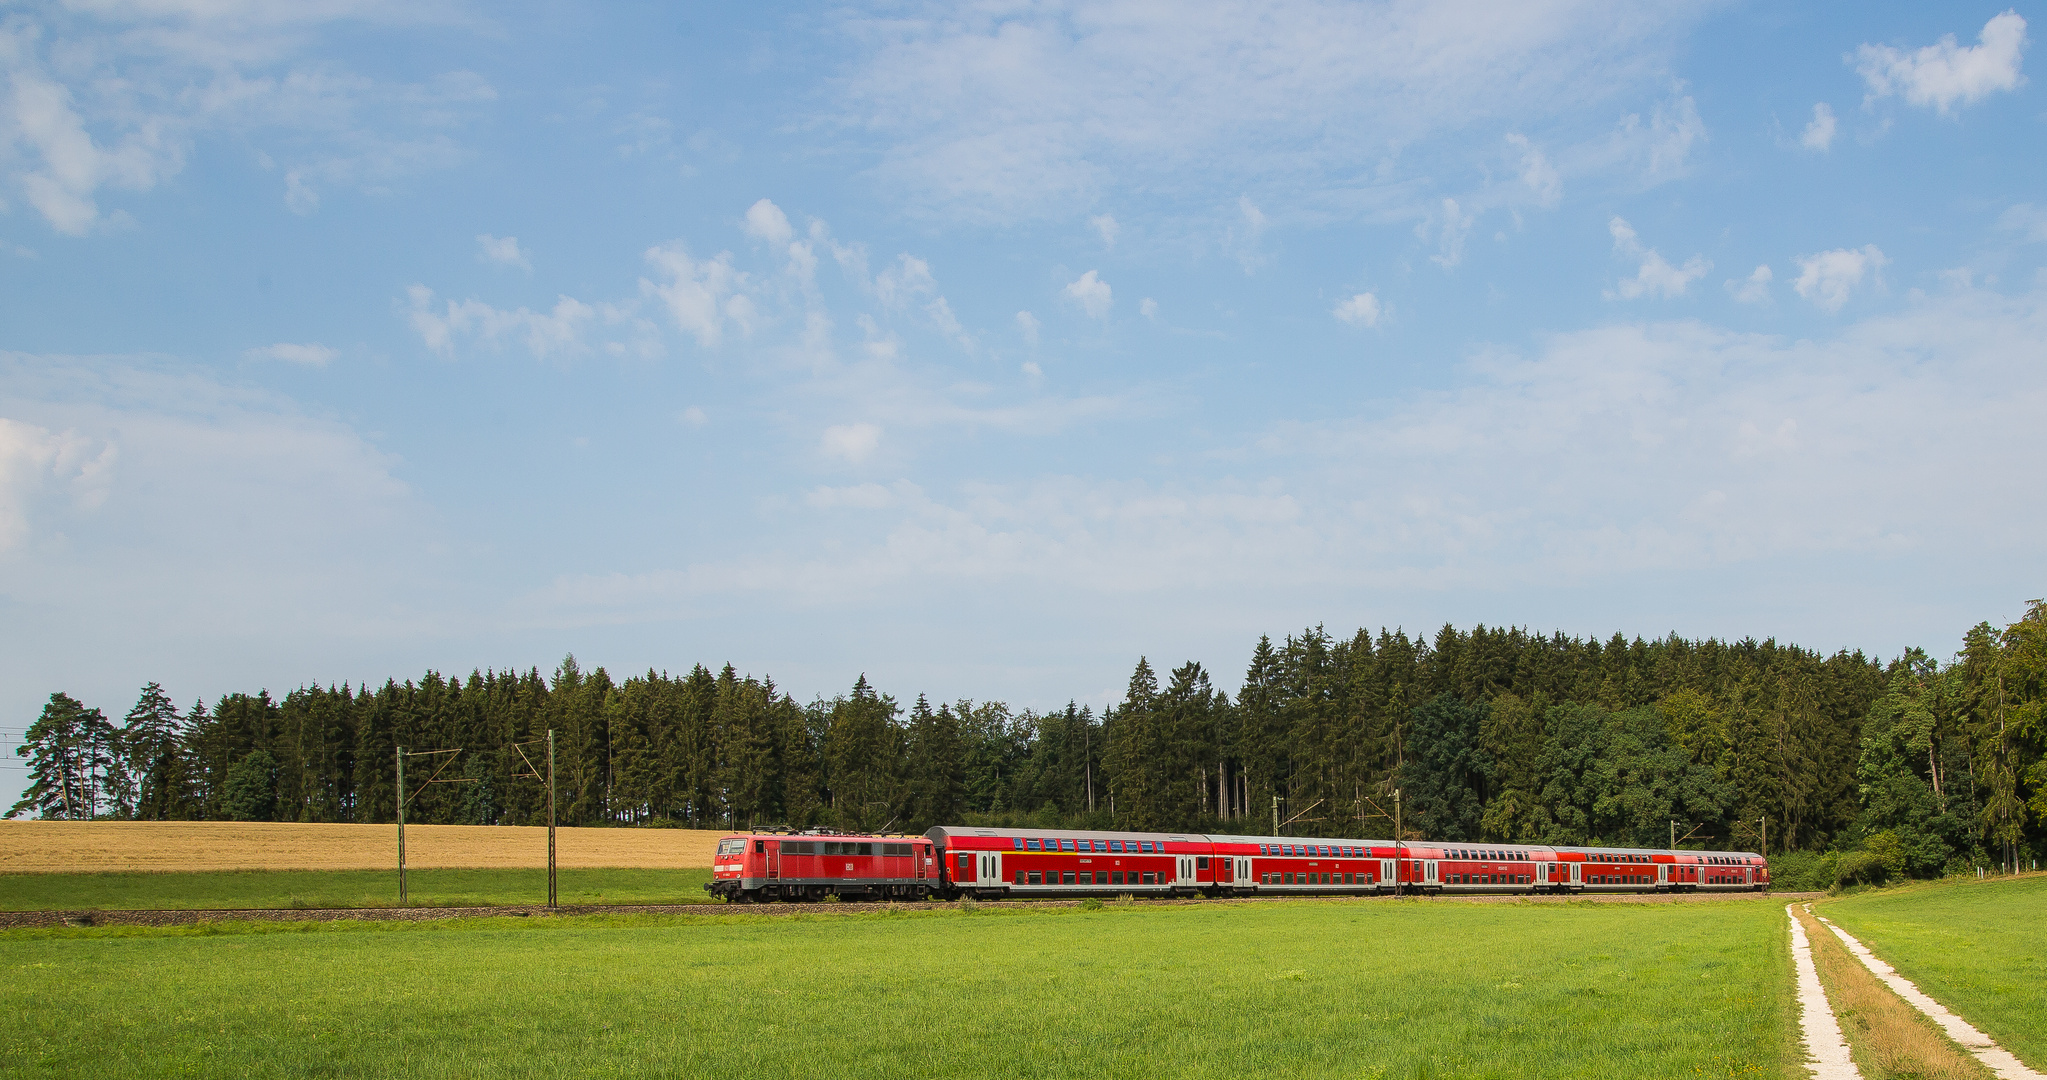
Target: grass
{"x":344,"y":888}
{"x":1345,"y":989}
{"x":1889,"y":1039}
{"x":1979,"y":948}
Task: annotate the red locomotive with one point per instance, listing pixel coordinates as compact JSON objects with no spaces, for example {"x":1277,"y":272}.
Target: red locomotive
{"x":951,"y":861}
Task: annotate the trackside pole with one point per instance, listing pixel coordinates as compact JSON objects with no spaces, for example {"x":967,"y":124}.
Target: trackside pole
{"x":401,"y":825}
{"x":1399,"y":856}
{"x":551,"y":899}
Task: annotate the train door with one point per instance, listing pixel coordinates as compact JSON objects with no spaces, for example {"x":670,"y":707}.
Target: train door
{"x":1663,"y":875}
{"x":774,"y":862}
{"x":1386,"y":875}
{"x":1186,"y":870}
{"x":1577,"y":873}
{"x":1429,"y":872}
{"x":1244,"y":873}
{"x":988,"y":870}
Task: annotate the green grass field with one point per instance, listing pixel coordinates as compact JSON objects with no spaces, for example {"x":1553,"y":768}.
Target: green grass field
{"x":1346,"y":989}
{"x":1979,"y":948}
{"x":345,"y":888}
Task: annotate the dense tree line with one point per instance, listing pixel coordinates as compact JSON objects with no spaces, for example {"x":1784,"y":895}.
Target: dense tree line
{"x":1481,"y":735}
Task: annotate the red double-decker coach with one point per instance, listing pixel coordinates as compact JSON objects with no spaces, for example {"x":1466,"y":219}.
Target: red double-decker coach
{"x":954,"y":861}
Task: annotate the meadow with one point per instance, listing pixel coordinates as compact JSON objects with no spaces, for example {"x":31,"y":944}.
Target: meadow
{"x":1351,"y":989}
{"x":1979,"y":948}
{"x":346,"y":888}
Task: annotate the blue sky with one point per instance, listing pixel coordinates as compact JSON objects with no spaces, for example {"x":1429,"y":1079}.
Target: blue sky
{"x":983,"y":348}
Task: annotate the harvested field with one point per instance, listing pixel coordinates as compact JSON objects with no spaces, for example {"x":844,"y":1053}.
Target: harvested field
{"x":29,"y":847}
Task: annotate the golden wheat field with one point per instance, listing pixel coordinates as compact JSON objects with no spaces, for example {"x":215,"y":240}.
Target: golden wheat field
{"x":87,"y":846}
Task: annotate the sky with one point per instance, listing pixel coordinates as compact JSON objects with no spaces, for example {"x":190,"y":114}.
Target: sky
{"x":983,"y":348}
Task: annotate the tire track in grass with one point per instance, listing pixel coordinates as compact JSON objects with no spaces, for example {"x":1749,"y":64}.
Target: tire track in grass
{"x":1996,"y":1058}
{"x":1823,"y":1041}
{"x":1886,"y":1038}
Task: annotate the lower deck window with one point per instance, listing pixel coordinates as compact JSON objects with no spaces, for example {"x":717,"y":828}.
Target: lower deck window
{"x":1037,"y":878}
{"x":1020,"y":877}
{"x":1067,"y":878}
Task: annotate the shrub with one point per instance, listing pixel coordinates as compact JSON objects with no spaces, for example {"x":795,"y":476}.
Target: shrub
{"x":1860,"y":868}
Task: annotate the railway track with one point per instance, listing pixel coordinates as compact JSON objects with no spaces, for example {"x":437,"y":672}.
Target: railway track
{"x":20,"y":920}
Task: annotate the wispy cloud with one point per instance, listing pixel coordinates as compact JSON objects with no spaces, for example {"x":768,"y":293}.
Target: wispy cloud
{"x":998,"y":113}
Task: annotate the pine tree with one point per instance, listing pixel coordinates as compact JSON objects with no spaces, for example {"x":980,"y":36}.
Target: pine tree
{"x":153,"y":739}
{"x":64,"y":747}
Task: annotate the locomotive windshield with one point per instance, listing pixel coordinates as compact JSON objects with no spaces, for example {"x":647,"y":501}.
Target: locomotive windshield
{"x":731,"y":847}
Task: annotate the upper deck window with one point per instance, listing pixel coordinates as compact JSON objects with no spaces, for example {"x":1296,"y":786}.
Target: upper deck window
{"x":1018,"y":841}
{"x":1146,"y":845}
{"x":1030,"y":845}
{"x":1116,"y":845}
{"x":1066,"y":845}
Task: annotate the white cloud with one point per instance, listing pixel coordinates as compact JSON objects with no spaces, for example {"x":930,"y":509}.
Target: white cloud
{"x":1654,"y":275}
{"x":502,"y":250}
{"x":1452,"y":226}
{"x":1827,"y":278}
{"x":2027,"y":220}
{"x":910,"y":277}
{"x":115,"y":97}
{"x":1537,"y":173}
{"x":1944,"y":73}
{"x":1028,"y":325}
{"x":766,"y":221}
{"x":1754,"y":289}
{"x":1149,"y":308}
{"x":853,"y":442}
{"x":694,"y":416}
{"x":35,"y":462}
{"x":557,"y":334}
{"x":1091,"y":293}
{"x":1106,"y":227}
{"x":940,"y":312}
{"x":868,"y":496}
{"x":1359,"y":310}
{"x":299,"y":197}
{"x":310,"y":355}
{"x":1819,"y":135}
{"x":1005,"y":111}
{"x":701,"y":295}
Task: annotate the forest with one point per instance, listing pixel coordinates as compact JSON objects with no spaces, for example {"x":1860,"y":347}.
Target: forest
{"x":1918,"y":767}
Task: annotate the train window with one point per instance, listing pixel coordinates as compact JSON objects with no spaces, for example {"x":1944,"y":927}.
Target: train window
{"x":1037,"y":878}
{"x":1066,"y":878}
{"x":1019,"y":877}
{"x":1116,"y":877}
{"x":895,"y":849}
{"x":1146,"y":845}
{"x":1066,"y":845}
{"x":966,"y":863}
{"x":1201,"y":863}
{"x":1018,"y":841}
{"x":1030,"y":845}
{"x":1101,"y":845}
{"x":1116,"y":845}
